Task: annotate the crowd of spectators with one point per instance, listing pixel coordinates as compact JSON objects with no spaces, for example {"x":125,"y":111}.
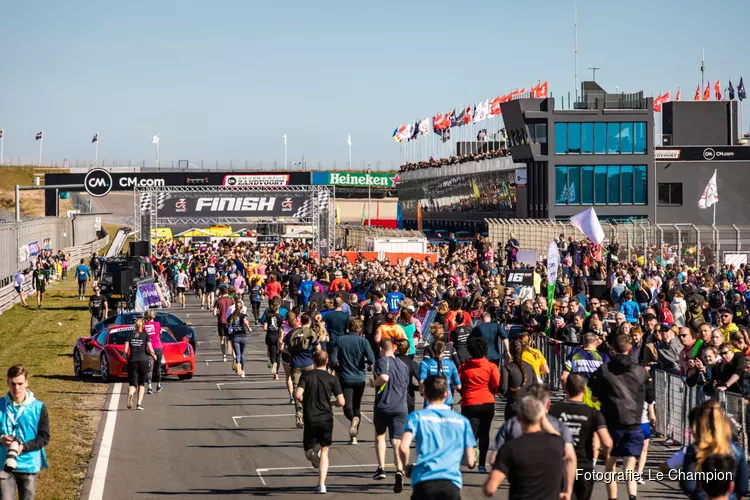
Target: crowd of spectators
{"x":454,"y":160}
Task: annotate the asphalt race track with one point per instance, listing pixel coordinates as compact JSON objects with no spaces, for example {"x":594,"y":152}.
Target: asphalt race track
{"x":218,"y":435}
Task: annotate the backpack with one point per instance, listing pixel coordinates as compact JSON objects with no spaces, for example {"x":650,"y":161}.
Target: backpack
{"x":716,"y":299}
{"x":666,"y":316}
{"x":300,"y":339}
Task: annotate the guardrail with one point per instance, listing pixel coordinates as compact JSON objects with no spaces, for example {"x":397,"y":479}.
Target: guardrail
{"x":8,"y":295}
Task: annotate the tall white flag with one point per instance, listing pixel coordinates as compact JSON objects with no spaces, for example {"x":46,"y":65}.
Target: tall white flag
{"x":710,"y":194}
{"x":284,"y":138}
{"x":424,"y":126}
{"x":588,"y":223}
{"x":553,"y":263}
{"x":155,"y":140}
{"x":349,"y":140}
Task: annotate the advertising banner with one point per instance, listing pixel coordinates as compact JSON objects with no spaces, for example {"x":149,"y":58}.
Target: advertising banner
{"x":520,"y":277}
{"x":355,"y":179}
{"x":699,"y":153}
{"x":149,"y":295}
{"x":241,"y":204}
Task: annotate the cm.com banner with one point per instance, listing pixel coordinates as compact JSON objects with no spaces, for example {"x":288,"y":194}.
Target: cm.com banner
{"x":355,"y":179}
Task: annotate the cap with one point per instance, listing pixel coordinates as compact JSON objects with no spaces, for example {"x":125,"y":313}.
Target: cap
{"x":724,"y":310}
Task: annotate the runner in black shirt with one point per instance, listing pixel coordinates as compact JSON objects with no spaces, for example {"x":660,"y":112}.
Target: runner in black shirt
{"x":584,"y":422}
{"x":39,"y":283}
{"x":98,"y":306}
{"x":314,"y":391}
{"x":533,"y":463}
{"x":138,"y":348}
{"x":459,"y":337}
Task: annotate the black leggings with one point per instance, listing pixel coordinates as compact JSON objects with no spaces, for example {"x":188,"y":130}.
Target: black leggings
{"x":480,"y":417}
{"x":155,"y":373}
{"x":82,"y":288}
{"x":272,"y":342}
{"x":353,"y":392}
{"x":256,"y":310}
{"x":138,"y":372}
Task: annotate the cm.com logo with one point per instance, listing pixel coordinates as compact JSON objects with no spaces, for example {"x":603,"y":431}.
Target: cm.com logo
{"x":98,"y":182}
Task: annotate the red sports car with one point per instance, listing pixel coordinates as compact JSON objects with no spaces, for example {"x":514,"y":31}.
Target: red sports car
{"x":104,"y":354}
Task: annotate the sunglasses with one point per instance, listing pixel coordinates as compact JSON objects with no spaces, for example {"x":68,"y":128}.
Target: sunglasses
{"x":724,"y":353}
{"x":682,"y":335}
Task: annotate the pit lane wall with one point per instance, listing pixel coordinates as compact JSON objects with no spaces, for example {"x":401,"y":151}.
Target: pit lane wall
{"x":21,"y":242}
{"x":355,"y":237}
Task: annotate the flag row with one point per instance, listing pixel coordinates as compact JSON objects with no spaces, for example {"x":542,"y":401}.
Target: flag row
{"x":40,"y":135}
{"x":741,"y":93}
{"x":442,"y":123}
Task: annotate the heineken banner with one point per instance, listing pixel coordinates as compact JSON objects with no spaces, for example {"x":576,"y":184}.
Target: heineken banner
{"x":355,"y":179}
{"x":241,"y":204}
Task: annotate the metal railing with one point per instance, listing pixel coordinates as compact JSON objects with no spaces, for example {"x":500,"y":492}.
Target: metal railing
{"x":665,"y":243}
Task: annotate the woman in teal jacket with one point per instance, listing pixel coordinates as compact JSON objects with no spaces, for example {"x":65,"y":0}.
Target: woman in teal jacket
{"x":437,"y":365}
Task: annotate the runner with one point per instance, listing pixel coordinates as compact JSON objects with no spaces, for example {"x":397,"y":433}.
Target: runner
{"x":98,"y":306}
{"x":256,"y":297}
{"x":182,"y":281}
{"x":349,"y":357}
{"x":221,"y":309}
{"x":18,"y":280}
{"x":153,"y":328}
{"x":137,"y":349}
{"x":272,"y":324}
{"x":302,"y":343}
{"x":39,"y":283}
{"x":211,"y":281}
{"x":199,"y":282}
{"x":238,"y":328}
{"x":442,"y":438}
{"x":83,"y":274}
{"x":286,"y":358}
{"x":316,"y":387}
{"x":392,"y":384}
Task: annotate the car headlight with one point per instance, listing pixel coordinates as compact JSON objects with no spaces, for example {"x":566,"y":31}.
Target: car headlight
{"x":186,"y":353}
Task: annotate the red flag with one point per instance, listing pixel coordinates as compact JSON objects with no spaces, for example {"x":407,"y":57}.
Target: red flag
{"x":541,"y":92}
{"x":707,"y":92}
{"x":467,"y":117}
{"x":657,"y":103}
{"x":697,"y":94}
{"x":495,"y":105}
{"x":679,"y":94}
{"x":717,"y":90}
{"x":438,"y":122}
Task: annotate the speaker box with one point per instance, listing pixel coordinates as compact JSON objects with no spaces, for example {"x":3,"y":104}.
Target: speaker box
{"x":139,"y":248}
{"x":122,"y":281}
{"x":598,"y":290}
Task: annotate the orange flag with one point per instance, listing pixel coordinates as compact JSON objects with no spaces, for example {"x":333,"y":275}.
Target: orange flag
{"x":717,"y":90}
{"x":697,"y":93}
{"x":679,"y":94}
{"x":707,"y":92}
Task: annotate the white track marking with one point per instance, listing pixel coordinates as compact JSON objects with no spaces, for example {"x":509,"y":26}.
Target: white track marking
{"x":276,"y":469}
{"x":105,"y":447}
{"x":246,"y":382}
{"x":239,"y":417}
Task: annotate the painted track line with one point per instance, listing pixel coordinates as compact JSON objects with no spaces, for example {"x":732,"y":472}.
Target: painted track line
{"x":240,"y":417}
{"x":279,"y":469}
{"x":219,"y":384}
{"x":105,"y":447}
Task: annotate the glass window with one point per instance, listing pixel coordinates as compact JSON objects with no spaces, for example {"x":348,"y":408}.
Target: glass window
{"x":574,"y":138}
{"x":641,"y":184}
{"x":587,"y":138}
{"x":670,"y":193}
{"x":574,"y":185}
{"x":626,"y":138}
{"x":600,"y":184}
{"x":587,"y":185}
{"x":541,"y":133}
{"x":613,"y":138}
{"x":639,"y":134}
{"x":626,"y":178}
{"x":561,"y":184}
{"x":561,"y":138}
{"x":600,"y":138}
{"x":613,"y":184}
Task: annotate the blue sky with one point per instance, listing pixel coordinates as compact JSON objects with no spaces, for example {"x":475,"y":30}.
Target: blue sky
{"x":224,"y":80}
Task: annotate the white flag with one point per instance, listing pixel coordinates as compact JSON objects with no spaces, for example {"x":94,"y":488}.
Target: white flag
{"x":349,"y":140}
{"x":424,"y":126}
{"x":284,"y":138}
{"x":588,"y":223}
{"x":710,"y":194}
{"x":155,"y":140}
{"x":481,"y":110}
{"x":553,"y":263}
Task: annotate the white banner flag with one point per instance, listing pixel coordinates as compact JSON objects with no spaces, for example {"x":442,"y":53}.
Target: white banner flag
{"x":155,"y":140}
{"x":588,"y":223}
{"x":710,"y":195}
{"x":284,"y":138}
{"x":553,"y":263}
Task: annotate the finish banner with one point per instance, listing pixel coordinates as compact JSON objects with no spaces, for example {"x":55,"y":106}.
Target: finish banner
{"x":240,"y":204}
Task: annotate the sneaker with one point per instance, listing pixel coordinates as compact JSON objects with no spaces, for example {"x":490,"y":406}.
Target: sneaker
{"x":160,"y":388}
{"x":234,"y":366}
{"x":322,"y":489}
{"x":274,"y":368}
{"x":149,"y":391}
{"x":242,"y":375}
{"x":291,"y":400}
{"x":139,"y":407}
{"x":298,"y":421}
{"x":269,"y":364}
{"x":354,"y":428}
{"x":398,"y":486}
{"x":379,"y":474}
{"x":276,"y":376}
{"x":482,"y":469}
{"x":641,"y":481}
{"x":353,"y":441}
{"x":315,"y":460}
{"x":130,"y":402}
{"x":224,"y":358}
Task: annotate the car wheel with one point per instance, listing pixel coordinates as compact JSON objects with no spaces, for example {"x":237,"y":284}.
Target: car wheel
{"x":104,"y":368}
{"x":77,"y":364}
{"x":186,"y":376}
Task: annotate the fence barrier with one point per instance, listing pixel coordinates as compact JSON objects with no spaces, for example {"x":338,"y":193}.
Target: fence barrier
{"x":665,"y":243}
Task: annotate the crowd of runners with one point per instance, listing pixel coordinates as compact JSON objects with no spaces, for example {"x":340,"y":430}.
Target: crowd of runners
{"x":431,"y":339}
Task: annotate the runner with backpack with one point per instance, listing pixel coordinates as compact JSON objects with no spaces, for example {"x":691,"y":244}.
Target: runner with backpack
{"x":302,"y":343}
{"x":272,"y":325}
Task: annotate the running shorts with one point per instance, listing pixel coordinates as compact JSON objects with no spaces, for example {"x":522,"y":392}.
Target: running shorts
{"x":210,"y":287}
{"x":394,"y":423}
{"x":138,"y":372}
{"x":223,"y":330}
{"x":627,"y":443}
{"x":320,"y":433}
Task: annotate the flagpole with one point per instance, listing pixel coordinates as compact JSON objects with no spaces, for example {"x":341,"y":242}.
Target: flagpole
{"x":369,"y":200}
{"x":96,"y":157}
{"x":286,"y":164}
{"x":2,"y":145}
{"x":41,"y":145}
{"x":158,"y":140}
{"x":351,"y":167}
{"x":703,"y":67}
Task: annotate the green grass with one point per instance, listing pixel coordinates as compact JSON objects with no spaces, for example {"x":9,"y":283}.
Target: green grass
{"x":42,"y":340}
{"x":112,"y":231}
